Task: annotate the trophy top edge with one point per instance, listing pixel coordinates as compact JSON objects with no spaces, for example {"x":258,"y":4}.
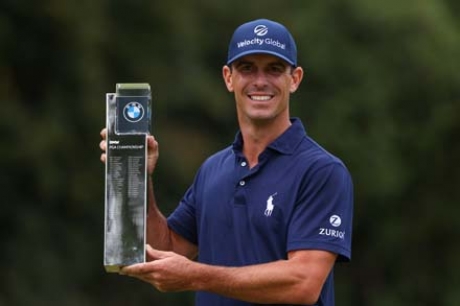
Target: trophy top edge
{"x":133,"y":89}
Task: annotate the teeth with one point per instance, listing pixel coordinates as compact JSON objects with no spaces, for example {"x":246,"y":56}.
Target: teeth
{"x":261,"y":98}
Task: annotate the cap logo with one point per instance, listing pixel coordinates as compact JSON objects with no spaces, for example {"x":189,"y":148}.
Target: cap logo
{"x":261,"y":30}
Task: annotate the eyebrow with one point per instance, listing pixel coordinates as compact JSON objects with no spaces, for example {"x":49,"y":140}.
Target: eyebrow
{"x":241,"y":63}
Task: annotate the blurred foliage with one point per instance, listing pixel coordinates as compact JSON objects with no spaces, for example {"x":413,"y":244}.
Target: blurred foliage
{"x":382,"y":91}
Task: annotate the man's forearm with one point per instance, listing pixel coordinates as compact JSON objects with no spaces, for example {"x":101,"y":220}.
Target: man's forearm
{"x":158,"y":233}
{"x":280,"y":282}
{"x":297,"y":280}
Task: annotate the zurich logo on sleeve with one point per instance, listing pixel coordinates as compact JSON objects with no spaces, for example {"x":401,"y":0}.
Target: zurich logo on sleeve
{"x":133,"y":111}
{"x":335,"y":221}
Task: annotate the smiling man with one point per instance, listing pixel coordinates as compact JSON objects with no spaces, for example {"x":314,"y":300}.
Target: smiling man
{"x":266,"y":218}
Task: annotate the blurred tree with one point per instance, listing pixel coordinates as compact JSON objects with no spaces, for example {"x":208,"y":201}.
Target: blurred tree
{"x":381,"y":91}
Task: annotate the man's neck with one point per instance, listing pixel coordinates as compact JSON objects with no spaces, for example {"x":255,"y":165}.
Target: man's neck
{"x":257,"y":137}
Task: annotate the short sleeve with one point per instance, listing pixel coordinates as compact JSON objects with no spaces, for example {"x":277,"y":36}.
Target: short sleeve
{"x":183,"y":219}
{"x":322,"y":218}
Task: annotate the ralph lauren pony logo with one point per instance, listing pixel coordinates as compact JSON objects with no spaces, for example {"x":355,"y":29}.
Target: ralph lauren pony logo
{"x":270,"y":206}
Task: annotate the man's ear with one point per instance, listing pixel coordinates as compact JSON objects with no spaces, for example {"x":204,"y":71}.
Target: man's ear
{"x":227,"y":75}
{"x":297,"y":76}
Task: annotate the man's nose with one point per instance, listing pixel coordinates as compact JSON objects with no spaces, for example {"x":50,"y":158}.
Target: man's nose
{"x":260,"y":78}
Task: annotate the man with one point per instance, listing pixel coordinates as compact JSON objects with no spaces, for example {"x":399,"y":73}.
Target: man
{"x":267,"y":216}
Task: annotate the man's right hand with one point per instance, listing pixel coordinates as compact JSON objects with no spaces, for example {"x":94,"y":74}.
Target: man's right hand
{"x":152,"y":150}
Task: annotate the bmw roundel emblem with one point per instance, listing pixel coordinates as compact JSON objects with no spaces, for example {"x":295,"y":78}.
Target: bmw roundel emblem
{"x":133,"y":111}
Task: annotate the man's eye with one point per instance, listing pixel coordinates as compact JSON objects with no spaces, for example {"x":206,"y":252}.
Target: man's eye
{"x":277,"y":69}
{"x":246,"y":68}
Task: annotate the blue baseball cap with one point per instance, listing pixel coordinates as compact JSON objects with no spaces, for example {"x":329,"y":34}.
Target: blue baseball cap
{"x":262,"y":36}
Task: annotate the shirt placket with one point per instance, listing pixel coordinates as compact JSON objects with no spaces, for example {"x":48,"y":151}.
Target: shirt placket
{"x":243,"y":176}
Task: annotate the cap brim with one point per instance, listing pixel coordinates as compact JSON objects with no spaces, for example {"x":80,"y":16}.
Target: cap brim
{"x":240,"y":55}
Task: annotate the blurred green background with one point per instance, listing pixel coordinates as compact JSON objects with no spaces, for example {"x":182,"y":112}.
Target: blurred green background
{"x":382,"y":91}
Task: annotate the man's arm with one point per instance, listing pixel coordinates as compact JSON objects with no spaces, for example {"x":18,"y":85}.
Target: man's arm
{"x":159,"y":235}
{"x":297,"y":280}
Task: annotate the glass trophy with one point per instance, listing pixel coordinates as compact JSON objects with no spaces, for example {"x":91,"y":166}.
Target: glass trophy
{"x":128,"y":122}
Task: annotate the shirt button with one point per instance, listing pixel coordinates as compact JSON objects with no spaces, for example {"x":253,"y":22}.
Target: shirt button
{"x":242,"y":183}
{"x":243,"y":164}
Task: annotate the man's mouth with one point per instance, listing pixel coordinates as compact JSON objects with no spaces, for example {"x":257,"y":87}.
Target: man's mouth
{"x":260,"y":97}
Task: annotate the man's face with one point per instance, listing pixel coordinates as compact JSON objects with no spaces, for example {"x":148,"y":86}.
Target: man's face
{"x":262,"y":84}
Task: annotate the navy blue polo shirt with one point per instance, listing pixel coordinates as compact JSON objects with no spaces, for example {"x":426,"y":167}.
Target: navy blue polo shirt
{"x":298,"y":196}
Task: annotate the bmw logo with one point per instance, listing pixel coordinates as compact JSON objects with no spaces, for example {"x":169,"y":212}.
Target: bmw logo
{"x":133,"y":111}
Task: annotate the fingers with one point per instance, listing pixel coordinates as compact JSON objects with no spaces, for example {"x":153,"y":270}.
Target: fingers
{"x":103,"y":145}
{"x":103,"y":133}
{"x":135,"y":270}
{"x":150,"y":140}
{"x":153,"y":153}
{"x":148,"y":267}
{"x":103,"y":157}
{"x":157,"y":254}
{"x":166,"y":272}
{"x":152,"y":144}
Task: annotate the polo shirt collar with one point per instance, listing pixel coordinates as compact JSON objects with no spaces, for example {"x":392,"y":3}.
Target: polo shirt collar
{"x":286,"y":143}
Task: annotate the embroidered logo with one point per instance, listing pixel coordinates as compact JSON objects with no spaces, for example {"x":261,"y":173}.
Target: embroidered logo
{"x":270,"y":205}
{"x":261,"y":30}
{"x":335,"y":220}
